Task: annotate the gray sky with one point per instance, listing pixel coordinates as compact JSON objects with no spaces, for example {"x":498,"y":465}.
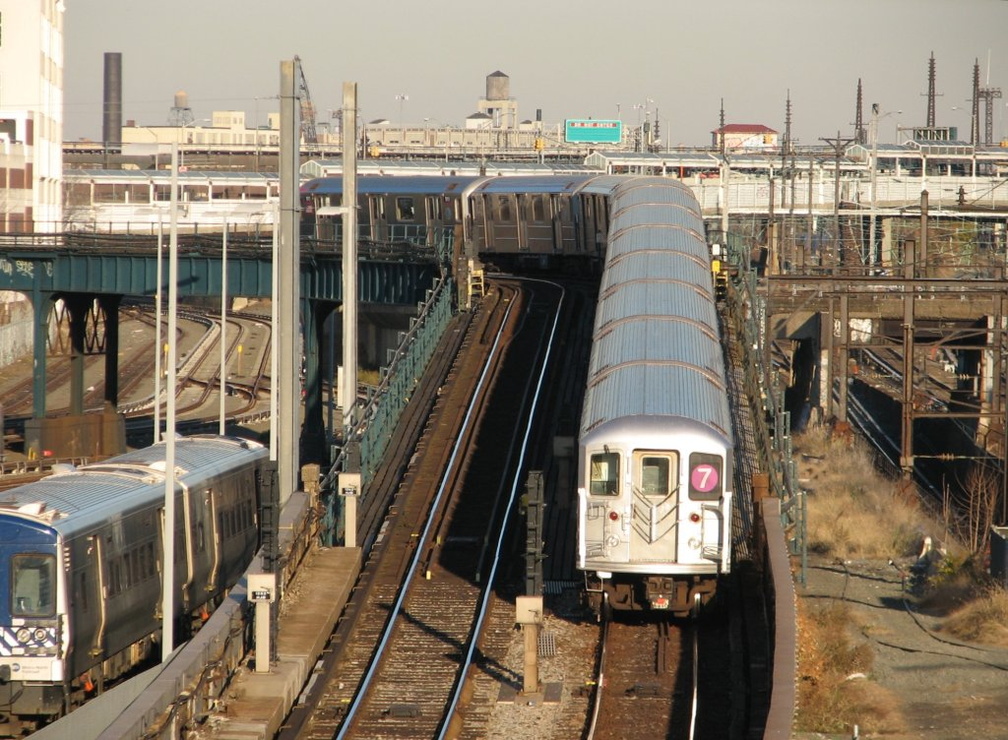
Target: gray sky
{"x":585,"y":58}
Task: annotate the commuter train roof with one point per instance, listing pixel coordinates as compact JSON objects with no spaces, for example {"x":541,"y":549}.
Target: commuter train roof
{"x":393,"y":184}
{"x":91,"y":494}
{"x":656,"y":349}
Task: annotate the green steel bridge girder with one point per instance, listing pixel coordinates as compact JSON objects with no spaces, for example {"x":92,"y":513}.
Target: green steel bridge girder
{"x":199,"y":275}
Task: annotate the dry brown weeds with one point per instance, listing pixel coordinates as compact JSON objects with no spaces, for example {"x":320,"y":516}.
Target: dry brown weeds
{"x":834,"y":691}
{"x":856,"y":513}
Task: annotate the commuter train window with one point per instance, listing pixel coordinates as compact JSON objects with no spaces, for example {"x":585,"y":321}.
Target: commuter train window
{"x":604,"y":474}
{"x":657,"y":473}
{"x":705,"y":476}
{"x":33,"y":585}
{"x":82,"y":593}
{"x":405,"y":210}
{"x":113,"y":580}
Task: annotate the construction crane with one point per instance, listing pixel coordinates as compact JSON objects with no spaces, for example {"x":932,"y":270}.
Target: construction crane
{"x":308,"y":132}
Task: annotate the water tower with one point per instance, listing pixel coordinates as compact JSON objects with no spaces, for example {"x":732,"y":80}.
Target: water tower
{"x":498,"y":104}
{"x":181,"y":114}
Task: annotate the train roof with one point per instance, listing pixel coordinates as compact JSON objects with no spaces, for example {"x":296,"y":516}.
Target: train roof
{"x":603,"y":184}
{"x":90,"y":494}
{"x":567,"y":183}
{"x":394,"y":184}
{"x":396,"y":166}
{"x":656,"y":347}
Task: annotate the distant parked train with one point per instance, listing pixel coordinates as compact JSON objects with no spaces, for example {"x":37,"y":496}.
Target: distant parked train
{"x":655,"y":450}
{"x":546,"y":220}
{"x":81,"y":566}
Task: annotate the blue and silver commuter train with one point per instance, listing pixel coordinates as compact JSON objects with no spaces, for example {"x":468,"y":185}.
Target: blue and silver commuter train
{"x":81,"y":566}
{"x":655,"y":451}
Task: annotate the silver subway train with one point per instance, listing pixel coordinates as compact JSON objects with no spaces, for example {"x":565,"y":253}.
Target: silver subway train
{"x":655,"y":443}
{"x":655,"y":446}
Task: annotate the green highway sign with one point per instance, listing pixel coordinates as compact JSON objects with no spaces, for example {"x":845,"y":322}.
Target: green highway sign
{"x":592,"y":131}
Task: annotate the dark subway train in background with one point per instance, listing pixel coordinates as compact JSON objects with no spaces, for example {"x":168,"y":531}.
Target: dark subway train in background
{"x":544,"y":221}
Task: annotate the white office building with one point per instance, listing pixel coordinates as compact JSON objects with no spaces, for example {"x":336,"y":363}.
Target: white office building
{"x":31,"y":115}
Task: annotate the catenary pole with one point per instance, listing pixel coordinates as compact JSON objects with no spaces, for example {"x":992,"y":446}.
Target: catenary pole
{"x":289,"y":276}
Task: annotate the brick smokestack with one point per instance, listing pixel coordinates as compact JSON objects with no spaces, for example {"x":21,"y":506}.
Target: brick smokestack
{"x":112,"y":100}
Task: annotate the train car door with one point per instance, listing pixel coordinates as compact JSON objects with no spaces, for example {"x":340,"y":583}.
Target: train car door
{"x":431,"y":219}
{"x":479,"y":224}
{"x":593,"y":226}
{"x":710,"y":510}
{"x":539,"y":232}
{"x":655,"y":495}
{"x":564,"y":234}
{"x":602,"y":540}
{"x":376,"y":221}
{"x":507,"y":236}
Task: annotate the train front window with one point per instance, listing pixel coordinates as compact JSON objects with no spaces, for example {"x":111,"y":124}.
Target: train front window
{"x":604,"y":474}
{"x":656,"y":474}
{"x":33,"y":589}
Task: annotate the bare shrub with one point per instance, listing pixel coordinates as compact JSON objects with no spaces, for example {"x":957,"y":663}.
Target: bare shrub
{"x":983,"y":619}
{"x":854,"y":511}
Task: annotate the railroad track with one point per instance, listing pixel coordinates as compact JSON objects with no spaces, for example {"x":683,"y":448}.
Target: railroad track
{"x":402,"y":678}
{"x":646,"y":681}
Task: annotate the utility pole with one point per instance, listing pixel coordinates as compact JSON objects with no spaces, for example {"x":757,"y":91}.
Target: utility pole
{"x":859,"y":131}
{"x":988,"y":95}
{"x":839,"y":146}
{"x":288,"y":287}
{"x":931,"y":94}
{"x":349,"y":479}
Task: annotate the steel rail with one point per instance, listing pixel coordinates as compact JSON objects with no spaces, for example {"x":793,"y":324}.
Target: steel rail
{"x":390,"y":622}
{"x":515,"y":485}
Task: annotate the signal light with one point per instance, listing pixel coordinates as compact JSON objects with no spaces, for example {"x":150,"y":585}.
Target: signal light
{"x":694,"y":517}
{"x":614,"y":516}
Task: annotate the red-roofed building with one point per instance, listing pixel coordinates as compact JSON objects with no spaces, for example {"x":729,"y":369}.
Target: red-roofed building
{"x":745,"y":136}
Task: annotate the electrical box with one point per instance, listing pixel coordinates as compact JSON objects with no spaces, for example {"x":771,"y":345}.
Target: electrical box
{"x":262,"y":587}
{"x":529,"y":610}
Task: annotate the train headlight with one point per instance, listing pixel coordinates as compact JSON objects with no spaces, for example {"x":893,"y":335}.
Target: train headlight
{"x":693,"y":543}
{"x":23,"y":635}
{"x":39,"y":634}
